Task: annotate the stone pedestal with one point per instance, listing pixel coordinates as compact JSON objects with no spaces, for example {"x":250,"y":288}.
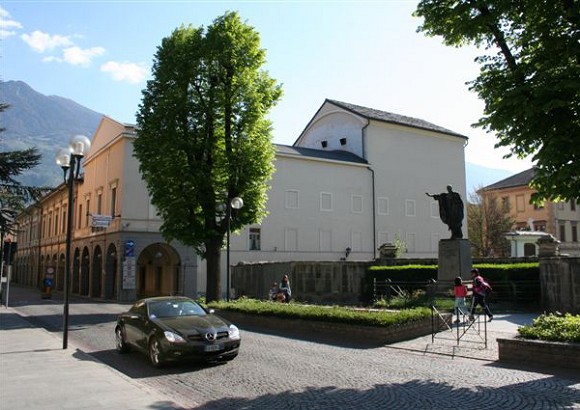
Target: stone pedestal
{"x":454,"y":259}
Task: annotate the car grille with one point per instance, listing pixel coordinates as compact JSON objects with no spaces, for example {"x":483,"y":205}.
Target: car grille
{"x":201,"y":338}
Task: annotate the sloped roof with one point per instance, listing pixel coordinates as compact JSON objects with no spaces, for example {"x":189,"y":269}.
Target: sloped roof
{"x":334,"y":155}
{"x":378,"y":115}
{"x":522,"y":179}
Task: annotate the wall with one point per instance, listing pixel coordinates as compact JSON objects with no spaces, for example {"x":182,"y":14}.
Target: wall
{"x":560,"y":280}
{"x":316,"y":282}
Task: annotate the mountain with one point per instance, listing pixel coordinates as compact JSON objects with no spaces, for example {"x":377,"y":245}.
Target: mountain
{"x":48,"y":123}
{"x":478,"y":176}
{"x":45,"y":122}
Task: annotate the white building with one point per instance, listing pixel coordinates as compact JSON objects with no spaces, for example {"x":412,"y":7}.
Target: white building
{"x":354,"y":179}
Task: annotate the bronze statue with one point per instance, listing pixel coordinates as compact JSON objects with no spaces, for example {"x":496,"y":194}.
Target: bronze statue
{"x":450,"y":210}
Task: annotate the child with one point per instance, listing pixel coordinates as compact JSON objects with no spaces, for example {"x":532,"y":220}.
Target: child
{"x":274,"y":291}
{"x":460,"y":292}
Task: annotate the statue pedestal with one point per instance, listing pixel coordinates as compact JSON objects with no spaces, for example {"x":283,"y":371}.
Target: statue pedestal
{"x":454,"y":259}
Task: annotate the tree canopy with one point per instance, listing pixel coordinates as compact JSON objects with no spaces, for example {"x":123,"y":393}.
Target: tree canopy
{"x":529,"y":79}
{"x":203,"y":137}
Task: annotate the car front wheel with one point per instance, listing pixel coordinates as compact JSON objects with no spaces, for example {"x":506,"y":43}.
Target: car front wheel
{"x":120,"y":342}
{"x":155,"y":353}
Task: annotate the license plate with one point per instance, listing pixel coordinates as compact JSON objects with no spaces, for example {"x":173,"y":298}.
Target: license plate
{"x":212,"y":348}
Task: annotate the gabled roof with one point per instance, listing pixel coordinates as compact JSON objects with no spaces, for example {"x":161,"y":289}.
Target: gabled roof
{"x":378,"y":115}
{"x":334,"y":155}
{"x":522,"y":179}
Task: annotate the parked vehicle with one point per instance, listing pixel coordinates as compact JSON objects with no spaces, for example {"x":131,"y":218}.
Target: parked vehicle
{"x":170,"y":328}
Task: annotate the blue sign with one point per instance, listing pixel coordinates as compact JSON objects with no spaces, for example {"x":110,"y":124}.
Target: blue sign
{"x":129,"y":248}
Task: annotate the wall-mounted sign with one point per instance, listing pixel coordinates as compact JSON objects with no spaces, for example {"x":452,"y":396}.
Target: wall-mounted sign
{"x":101,"y":221}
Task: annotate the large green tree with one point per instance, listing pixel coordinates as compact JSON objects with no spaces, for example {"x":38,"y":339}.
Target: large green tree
{"x":529,"y":79}
{"x":204,"y":137}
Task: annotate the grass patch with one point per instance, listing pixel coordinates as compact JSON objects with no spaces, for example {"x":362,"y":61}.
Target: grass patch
{"x":338,"y":314}
{"x":553,"y":328}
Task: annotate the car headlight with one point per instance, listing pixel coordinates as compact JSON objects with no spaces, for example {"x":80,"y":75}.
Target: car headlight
{"x":234,"y":332}
{"x":173,"y":337}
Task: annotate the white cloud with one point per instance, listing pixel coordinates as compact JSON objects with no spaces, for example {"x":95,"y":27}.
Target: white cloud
{"x":78,"y":56}
{"x":7,"y":24}
{"x":129,"y":72}
{"x":42,"y":42}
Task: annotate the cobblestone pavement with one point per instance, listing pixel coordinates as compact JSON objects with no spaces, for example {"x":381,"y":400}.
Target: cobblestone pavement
{"x":280,"y":372}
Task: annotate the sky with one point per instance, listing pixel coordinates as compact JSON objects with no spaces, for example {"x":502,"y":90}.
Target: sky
{"x":99,"y":54}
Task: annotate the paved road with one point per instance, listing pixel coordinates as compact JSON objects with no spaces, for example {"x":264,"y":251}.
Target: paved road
{"x":278,"y":372}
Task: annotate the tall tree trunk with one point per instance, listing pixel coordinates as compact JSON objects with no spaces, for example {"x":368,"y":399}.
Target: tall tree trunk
{"x":213,"y":259}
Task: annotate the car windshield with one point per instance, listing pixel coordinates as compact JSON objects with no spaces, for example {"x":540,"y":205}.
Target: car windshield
{"x":173,"y":308}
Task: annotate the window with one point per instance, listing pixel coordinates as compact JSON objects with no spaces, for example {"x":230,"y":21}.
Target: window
{"x":382,"y":237}
{"x":99,"y":202}
{"x":520,"y":203}
{"x":80,"y":217}
{"x":64,"y":221}
{"x":434,"y":210}
{"x":563,"y":233}
{"x":291,"y":199}
{"x":113,"y":201}
{"x":290,"y":239}
{"x":572,"y":205}
{"x":88,"y":212}
{"x":255,"y":239}
{"x":325,"y":201}
{"x":410,"y":241}
{"x":409,"y":207}
{"x":356,"y":204}
{"x":383,"y":206}
{"x":56,"y":221}
{"x":574,"y":233}
{"x":343,"y":141}
{"x":325,"y":241}
{"x":505,"y":203}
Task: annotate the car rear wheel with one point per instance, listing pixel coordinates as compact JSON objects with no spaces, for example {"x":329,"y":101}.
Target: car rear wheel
{"x":155,"y":353}
{"x":120,"y":342}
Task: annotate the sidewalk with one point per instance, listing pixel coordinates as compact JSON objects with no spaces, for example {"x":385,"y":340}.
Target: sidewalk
{"x":36,"y":373}
{"x":476,"y":342}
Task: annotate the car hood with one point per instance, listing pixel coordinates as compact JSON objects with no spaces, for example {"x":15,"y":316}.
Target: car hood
{"x":193,"y":324}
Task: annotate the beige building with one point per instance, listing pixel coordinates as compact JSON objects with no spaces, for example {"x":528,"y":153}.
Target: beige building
{"x":354,"y":179}
{"x":561,"y":220}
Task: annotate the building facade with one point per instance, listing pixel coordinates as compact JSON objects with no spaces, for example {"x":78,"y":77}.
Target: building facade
{"x":561,"y":219}
{"x":354,"y":179}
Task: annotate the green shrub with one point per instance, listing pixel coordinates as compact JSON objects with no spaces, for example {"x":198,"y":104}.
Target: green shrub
{"x":357,"y":316}
{"x":553,"y":328}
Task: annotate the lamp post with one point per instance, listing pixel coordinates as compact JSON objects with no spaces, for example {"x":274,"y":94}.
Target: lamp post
{"x":235,"y":203}
{"x":69,"y":159}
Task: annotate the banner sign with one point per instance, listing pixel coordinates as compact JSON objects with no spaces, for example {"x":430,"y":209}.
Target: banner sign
{"x":129,"y":266}
{"x":101,"y":221}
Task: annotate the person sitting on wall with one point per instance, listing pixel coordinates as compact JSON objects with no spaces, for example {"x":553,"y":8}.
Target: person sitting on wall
{"x":285,"y":288}
{"x":274,"y":291}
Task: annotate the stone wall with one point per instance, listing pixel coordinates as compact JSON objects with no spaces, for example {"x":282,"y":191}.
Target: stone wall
{"x":539,"y":352}
{"x":560,"y":282}
{"x":314,"y":282}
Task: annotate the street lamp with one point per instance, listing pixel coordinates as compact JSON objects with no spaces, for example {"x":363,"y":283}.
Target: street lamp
{"x":235,"y":203}
{"x":69,"y":159}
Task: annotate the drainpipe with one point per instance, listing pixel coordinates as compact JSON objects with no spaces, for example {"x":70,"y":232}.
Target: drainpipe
{"x":363,"y":138}
{"x":374,"y":214}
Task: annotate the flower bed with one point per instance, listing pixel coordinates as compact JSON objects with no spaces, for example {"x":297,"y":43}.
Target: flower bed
{"x":332,"y":332}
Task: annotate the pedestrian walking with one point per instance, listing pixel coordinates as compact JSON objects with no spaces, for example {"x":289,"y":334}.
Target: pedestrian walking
{"x":481,"y":289}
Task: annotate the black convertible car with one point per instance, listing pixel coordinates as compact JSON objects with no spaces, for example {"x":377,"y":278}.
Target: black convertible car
{"x":171,"y":328}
